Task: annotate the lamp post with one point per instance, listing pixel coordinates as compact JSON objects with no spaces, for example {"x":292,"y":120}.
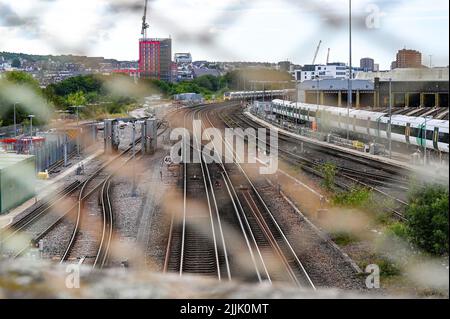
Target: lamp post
{"x":350,"y":76}
{"x":390,"y":117}
{"x":31,"y":131}
{"x":15,"y":121}
{"x":317,"y":100}
{"x":133,"y":191}
{"x":77,"y":107}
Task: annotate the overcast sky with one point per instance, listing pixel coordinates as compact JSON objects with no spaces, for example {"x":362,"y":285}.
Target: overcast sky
{"x":230,"y":30}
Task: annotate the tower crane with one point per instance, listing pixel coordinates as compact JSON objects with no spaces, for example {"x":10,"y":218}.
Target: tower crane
{"x":145,"y":25}
{"x":317,"y":52}
{"x":328,"y":55}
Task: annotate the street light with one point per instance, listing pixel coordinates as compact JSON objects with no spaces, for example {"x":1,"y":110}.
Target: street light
{"x":31,"y":131}
{"x":317,"y":99}
{"x":15,"y":124}
{"x":78,"y":126}
{"x":390,"y":117}
{"x":133,"y":138}
{"x":349,"y":94}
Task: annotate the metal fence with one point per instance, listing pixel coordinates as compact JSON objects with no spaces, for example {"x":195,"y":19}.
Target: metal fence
{"x":8,"y":131}
{"x":53,"y":152}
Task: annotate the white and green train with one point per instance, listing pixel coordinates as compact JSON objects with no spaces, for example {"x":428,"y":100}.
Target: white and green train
{"x":405,"y":129}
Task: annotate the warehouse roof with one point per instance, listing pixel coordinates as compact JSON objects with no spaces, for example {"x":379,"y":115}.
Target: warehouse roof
{"x":8,"y":159}
{"x":407,"y":74}
{"x":335,"y":84}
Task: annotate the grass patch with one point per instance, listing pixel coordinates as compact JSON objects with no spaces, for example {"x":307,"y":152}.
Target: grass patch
{"x":357,"y":197}
{"x":388,"y":269}
{"x":398,"y":229}
{"x":343,"y":238}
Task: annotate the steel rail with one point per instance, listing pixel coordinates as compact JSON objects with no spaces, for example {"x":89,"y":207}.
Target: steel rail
{"x":82,"y":197}
{"x":300,"y":265}
{"x":263,"y":275}
{"x":310,"y":166}
{"x":202,"y":165}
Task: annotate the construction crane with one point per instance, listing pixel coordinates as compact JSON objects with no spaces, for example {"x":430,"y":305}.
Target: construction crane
{"x":328,"y":56}
{"x":317,"y":52}
{"x":145,"y":25}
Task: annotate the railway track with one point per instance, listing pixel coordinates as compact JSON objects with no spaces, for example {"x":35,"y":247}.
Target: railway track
{"x":259,"y":213}
{"x":94,"y":211}
{"x":27,"y":231}
{"x":67,"y":204}
{"x":391,"y":174}
{"x":15,"y":239}
{"x":193,"y":245}
{"x":269,"y":252}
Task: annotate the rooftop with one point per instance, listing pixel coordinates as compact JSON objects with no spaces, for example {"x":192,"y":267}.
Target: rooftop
{"x":407,"y":74}
{"x":336,"y":84}
{"x":8,"y":159}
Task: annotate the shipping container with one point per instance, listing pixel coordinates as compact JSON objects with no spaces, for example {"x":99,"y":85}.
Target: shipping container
{"x":17,"y":180}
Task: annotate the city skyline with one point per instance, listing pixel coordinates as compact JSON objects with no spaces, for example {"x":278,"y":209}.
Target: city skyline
{"x":218,"y":27}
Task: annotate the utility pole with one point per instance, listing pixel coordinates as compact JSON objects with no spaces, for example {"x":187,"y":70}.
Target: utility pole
{"x":15,"y":122}
{"x":350,"y":75}
{"x":133,"y":192}
{"x":31,"y":132}
{"x":317,"y":101}
{"x":145,"y":25}
{"x":77,"y":107}
{"x":390,"y":117}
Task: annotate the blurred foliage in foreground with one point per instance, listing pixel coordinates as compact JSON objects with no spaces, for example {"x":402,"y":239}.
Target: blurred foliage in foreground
{"x":427,"y":225}
{"x":104,"y":95}
{"x":21,"y":90}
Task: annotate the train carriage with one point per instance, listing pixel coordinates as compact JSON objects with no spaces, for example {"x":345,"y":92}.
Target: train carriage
{"x":404,"y":129}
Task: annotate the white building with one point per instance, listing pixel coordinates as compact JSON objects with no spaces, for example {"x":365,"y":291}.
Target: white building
{"x":183,"y":58}
{"x":323,"y":72}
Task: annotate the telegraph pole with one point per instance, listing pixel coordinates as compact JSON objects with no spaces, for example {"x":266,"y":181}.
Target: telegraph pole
{"x":133,"y":193}
{"x":15,"y":121}
{"x":390,"y":117}
{"x":350,"y":76}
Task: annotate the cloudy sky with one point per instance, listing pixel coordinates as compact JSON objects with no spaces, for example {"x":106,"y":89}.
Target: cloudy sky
{"x":242,"y":30}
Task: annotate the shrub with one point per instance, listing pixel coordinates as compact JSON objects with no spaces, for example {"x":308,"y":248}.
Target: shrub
{"x":398,"y":229}
{"x":356,"y":198}
{"x":343,"y":238}
{"x":387,"y":267}
{"x":328,"y":171}
{"x":427,"y":215}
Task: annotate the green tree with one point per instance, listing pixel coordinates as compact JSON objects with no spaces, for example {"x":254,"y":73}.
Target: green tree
{"x":16,"y":63}
{"x":19,"y":79}
{"x":427,"y":215}
{"x":76,"y":98}
{"x":23,"y":78}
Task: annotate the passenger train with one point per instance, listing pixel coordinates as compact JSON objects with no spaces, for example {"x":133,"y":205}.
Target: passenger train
{"x":405,"y":129}
{"x":254,"y":94}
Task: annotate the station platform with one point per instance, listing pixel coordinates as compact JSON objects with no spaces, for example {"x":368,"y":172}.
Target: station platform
{"x":44,"y":188}
{"x":381,"y":159}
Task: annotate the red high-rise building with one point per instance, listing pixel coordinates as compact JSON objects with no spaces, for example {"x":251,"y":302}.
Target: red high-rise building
{"x":155,"y":59}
